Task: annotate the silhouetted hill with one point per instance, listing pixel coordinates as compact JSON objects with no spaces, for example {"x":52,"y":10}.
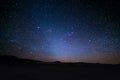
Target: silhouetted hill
{"x":15,"y":60}
{"x":13,"y":68}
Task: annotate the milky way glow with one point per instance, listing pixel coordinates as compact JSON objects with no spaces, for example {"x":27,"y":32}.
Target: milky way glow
{"x":61,"y":30}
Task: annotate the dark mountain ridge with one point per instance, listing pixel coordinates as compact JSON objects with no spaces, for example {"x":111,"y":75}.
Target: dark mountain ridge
{"x":14,"y":68}
{"x":6,"y":59}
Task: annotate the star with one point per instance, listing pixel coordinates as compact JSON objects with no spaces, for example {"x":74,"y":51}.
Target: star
{"x":70,"y":33}
{"x":89,"y":40}
{"x":31,"y":52}
{"x":63,"y":30}
{"x":13,"y":40}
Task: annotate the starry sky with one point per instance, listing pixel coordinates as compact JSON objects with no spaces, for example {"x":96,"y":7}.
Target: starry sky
{"x":61,"y":30}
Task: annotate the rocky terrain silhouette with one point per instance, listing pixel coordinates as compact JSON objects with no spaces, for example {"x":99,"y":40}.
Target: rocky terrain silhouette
{"x":13,"y":68}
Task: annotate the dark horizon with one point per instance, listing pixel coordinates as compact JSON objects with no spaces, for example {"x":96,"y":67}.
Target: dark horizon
{"x":14,"y":60}
{"x":13,"y":68}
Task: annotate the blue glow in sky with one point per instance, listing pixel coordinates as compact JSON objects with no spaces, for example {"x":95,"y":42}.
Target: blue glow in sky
{"x":62,"y":30}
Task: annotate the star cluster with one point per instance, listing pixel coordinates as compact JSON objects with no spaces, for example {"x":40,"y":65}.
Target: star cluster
{"x":61,"y":30}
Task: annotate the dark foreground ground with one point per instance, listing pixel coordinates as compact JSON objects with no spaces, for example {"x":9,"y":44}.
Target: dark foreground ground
{"x":12,"y":68}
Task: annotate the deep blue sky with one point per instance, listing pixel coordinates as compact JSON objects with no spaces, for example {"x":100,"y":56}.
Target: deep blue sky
{"x":61,"y":30}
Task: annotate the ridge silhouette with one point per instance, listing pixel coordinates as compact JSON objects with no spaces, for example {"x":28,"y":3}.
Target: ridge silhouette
{"x":14,"y":68}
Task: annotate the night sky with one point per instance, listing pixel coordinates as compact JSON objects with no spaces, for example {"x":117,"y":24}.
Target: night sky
{"x":61,"y":30}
